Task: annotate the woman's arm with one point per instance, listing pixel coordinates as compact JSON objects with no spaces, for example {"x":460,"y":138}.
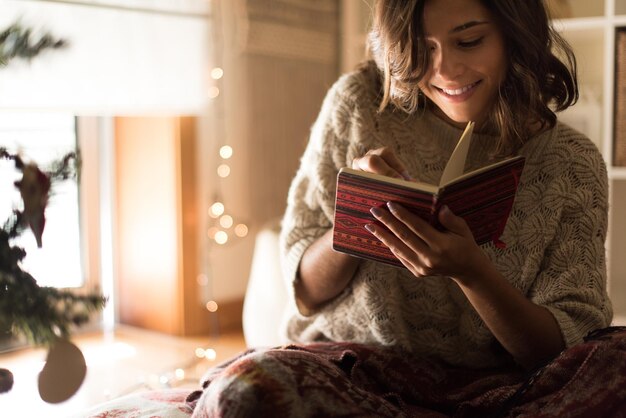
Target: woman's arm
{"x":527,"y":331}
{"x":323,"y":273}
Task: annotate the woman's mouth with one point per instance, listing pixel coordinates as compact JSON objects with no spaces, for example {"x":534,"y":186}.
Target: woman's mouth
{"x":459,"y":94}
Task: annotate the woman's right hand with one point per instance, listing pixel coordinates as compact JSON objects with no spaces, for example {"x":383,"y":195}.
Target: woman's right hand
{"x":382,"y":161}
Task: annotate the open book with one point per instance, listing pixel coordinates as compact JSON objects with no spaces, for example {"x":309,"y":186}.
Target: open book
{"x":483,"y":197}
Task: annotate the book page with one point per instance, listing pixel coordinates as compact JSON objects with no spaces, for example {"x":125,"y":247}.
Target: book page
{"x":456,"y":163}
{"x":379,"y":178}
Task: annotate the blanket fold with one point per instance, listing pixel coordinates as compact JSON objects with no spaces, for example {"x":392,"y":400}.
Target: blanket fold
{"x":354,"y":380}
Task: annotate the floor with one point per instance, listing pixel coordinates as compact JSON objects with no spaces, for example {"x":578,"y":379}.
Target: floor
{"x":124,"y":361}
{"x":120,"y":362}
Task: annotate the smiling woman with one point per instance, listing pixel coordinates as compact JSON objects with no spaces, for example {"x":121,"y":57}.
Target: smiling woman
{"x":468,"y":60}
{"x":486,"y":54}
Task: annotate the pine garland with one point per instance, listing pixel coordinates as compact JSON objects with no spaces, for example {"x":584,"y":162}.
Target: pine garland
{"x":41,"y":314}
{"x":18,"y":42}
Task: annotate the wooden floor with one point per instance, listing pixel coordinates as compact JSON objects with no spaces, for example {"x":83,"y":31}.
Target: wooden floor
{"x":118,"y":363}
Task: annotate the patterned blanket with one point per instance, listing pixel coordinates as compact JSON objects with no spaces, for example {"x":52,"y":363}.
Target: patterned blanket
{"x":352,"y":380}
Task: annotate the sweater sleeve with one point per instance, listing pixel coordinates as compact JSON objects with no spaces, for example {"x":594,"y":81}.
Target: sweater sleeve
{"x":572,"y":282}
{"x":311,"y":198}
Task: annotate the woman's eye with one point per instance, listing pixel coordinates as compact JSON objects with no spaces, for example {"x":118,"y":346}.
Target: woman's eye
{"x":470,"y":44}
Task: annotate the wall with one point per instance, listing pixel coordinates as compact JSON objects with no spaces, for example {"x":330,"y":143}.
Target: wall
{"x":143,"y":58}
{"x":118,"y":60}
{"x":279,"y":59}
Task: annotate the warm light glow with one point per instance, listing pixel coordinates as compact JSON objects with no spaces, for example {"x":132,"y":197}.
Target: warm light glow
{"x":226,"y":221}
{"x":221,"y":237}
{"x":180,"y":374}
{"x":226,"y":152}
{"x":223,"y":170}
{"x":216,"y":210}
{"x":212,"y":231}
{"x":211,"y":306}
{"x":202,"y":279}
{"x":241,"y":230}
{"x":217,"y":73}
{"x":107,"y":354}
{"x":213,"y":92}
{"x":200,"y":352}
{"x":210,"y":354}
{"x":163,"y":380}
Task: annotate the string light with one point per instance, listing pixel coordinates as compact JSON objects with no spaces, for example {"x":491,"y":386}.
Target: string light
{"x":241,"y":230}
{"x":217,"y":73}
{"x":223,"y":170}
{"x":212,"y":306}
{"x":210,"y":354}
{"x":213,"y":92}
{"x":226,"y":221}
{"x":216,"y":210}
{"x":226,"y":152}
{"x":221,"y":237}
{"x":212,"y":231}
{"x":220,"y":218}
{"x":202,"y":279}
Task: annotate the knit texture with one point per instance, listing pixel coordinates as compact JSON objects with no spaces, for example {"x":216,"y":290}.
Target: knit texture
{"x":554,"y":237}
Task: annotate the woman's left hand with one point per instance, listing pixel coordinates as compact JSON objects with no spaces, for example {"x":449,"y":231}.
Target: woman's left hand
{"x":423,"y":249}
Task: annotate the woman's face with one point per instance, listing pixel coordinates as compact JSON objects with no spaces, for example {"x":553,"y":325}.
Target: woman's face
{"x":467,"y":62}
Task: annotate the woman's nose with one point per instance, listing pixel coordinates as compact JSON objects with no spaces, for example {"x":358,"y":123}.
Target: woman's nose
{"x":447,"y":64}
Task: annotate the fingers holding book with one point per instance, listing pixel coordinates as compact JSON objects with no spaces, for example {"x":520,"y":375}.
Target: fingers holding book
{"x":382,"y":161}
{"x":402,"y":238}
{"x":421,"y":248}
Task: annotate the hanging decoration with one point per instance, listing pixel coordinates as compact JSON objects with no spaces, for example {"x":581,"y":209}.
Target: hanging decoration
{"x":223,"y":227}
{"x":19,"y":42}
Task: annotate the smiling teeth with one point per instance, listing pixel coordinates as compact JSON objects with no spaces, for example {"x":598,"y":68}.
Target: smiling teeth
{"x":458,"y":91}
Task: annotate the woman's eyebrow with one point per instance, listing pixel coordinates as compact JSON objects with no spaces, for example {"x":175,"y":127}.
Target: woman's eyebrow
{"x":468,"y":25}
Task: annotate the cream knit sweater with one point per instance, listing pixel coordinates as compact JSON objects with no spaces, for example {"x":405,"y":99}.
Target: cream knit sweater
{"x":555,"y":234}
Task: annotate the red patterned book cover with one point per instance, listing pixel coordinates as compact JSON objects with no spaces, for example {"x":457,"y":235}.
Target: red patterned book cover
{"x":483,"y":197}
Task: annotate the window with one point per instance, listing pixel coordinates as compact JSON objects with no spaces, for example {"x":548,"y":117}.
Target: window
{"x":44,"y":138}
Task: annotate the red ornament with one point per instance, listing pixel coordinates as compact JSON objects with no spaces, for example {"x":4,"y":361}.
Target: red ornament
{"x":34,"y":188}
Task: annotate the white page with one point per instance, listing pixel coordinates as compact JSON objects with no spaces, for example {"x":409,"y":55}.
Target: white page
{"x":456,"y":163}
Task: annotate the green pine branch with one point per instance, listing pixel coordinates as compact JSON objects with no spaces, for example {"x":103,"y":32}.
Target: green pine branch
{"x":19,"y":42}
{"x":39,"y":313}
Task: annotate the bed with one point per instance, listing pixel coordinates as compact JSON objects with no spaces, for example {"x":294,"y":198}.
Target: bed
{"x":586,"y":380}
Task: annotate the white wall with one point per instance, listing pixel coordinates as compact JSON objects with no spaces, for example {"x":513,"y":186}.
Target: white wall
{"x":120,"y":60}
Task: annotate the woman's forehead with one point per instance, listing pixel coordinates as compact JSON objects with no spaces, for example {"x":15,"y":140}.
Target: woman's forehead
{"x":453,"y":15}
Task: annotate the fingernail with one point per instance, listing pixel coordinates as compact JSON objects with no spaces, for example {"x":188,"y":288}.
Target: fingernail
{"x":377,"y":212}
{"x":370,"y":228}
{"x":406,"y":175}
{"x":446,"y":209}
{"x":393,"y":206}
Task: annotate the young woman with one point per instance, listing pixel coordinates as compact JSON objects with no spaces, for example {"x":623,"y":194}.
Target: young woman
{"x":440,"y":64}
{"x":366,"y":329}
